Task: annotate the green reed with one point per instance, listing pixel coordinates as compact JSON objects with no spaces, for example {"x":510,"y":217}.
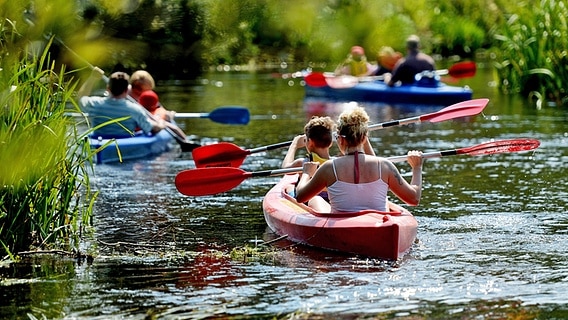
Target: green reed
{"x":532,"y":53}
{"x":45,"y":195}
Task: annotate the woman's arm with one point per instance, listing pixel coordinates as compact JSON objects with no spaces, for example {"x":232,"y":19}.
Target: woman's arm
{"x":411,"y":192}
{"x":312,"y":181}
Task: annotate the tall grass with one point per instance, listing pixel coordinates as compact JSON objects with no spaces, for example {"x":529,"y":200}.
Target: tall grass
{"x":531,"y":57}
{"x":45,"y":197}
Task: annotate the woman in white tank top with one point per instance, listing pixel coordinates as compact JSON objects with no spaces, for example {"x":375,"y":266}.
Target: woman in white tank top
{"x":358,"y":181}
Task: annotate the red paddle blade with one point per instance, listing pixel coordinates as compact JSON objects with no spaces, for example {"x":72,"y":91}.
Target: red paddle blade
{"x":458,"y":110}
{"x":500,"y":146}
{"x":222,"y":154}
{"x":209,"y":181}
{"x":316,"y":79}
{"x":465,"y":69}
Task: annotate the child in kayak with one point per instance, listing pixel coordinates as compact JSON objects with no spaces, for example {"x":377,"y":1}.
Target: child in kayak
{"x":149,"y":100}
{"x":357,"y":181}
{"x":356,"y":64}
{"x":317,"y":139}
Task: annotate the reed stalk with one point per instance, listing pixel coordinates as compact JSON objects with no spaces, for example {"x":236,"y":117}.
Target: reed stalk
{"x":45,"y":195}
{"x":531,"y":57}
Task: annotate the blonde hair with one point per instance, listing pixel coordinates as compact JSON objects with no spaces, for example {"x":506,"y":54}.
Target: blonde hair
{"x":353,"y":125}
{"x":320,"y":129}
{"x":387,"y":57}
{"x":142,"y":78}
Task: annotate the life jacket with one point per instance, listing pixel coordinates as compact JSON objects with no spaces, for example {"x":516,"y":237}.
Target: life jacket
{"x":358,"y":68}
{"x":314,"y":157}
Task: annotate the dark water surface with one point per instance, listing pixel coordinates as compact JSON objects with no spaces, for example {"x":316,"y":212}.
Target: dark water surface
{"x":491,"y":241}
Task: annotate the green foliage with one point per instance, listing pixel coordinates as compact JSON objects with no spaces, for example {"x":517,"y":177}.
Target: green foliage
{"x":531,"y":55}
{"x":45,"y":198}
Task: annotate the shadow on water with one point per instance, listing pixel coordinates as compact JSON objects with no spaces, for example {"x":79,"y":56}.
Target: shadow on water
{"x":491,"y":238}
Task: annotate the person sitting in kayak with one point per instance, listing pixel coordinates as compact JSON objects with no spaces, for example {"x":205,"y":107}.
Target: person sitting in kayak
{"x":386,"y":60}
{"x":415,"y":62}
{"x":317,"y":139}
{"x":142,"y":81}
{"x":357,"y":181}
{"x":149,"y":100}
{"x":114,"y":106}
{"x":356,"y":64}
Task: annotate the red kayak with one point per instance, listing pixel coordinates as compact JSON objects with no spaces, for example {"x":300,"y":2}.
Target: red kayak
{"x":385,"y":235}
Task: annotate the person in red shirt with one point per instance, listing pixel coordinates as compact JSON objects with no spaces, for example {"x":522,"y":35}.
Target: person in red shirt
{"x":149,"y":100}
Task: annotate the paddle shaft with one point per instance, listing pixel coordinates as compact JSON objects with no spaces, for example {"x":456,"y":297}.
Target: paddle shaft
{"x":209,"y":181}
{"x":191,"y":115}
{"x":489,"y":147}
{"x":428,"y":155}
{"x":233,"y":155}
{"x":271,"y":147}
{"x":181,"y":115}
{"x":276,"y":172}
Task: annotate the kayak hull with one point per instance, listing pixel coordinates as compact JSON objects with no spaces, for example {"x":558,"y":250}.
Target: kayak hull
{"x":385,"y":235}
{"x":131,"y":148}
{"x":378,"y":91}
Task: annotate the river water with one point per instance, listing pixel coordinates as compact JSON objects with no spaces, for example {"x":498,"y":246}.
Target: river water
{"x":491,"y":240}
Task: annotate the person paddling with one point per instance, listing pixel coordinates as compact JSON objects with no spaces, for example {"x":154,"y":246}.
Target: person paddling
{"x":114,"y":106}
{"x":357,"y":181}
{"x":356,"y":64}
{"x":317,"y":140}
{"x":415,"y":62}
{"x":141,"y":81}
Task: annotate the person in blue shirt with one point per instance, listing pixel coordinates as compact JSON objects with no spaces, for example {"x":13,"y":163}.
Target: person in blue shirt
{"x":102,"y":109}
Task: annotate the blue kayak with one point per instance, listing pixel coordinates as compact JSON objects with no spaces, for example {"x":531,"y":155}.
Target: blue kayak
{"x":419,"y":93}
{"x":136,"y":147}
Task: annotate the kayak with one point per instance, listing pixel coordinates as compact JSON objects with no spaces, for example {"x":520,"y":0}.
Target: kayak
{"x":131,"y":148}
{"x":419,"y":93}
{"x":385,"y":235}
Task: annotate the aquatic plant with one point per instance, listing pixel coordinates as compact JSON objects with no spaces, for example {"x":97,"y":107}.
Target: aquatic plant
{"x":45,"y":197}
{"x":531,"y":57}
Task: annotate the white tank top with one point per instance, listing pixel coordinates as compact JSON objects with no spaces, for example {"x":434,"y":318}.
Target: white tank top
{"x":352,"y":197}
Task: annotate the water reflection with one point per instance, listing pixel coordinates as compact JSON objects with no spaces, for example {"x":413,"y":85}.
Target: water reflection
{"x":491,"y":238}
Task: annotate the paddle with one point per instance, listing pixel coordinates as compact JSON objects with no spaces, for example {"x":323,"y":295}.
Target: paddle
{"x":227,"y":154}
{"x":225,"y":115}
{"x":463,"y":69}
{"x":209,"y":181}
